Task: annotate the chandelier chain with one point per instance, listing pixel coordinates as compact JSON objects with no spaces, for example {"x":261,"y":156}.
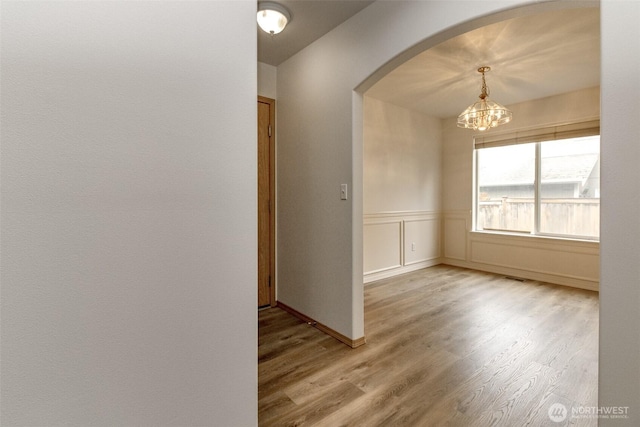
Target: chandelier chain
{"x":485,"y":90}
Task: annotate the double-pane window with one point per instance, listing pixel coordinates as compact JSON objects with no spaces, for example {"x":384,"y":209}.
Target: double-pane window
{"x":547,"y":187}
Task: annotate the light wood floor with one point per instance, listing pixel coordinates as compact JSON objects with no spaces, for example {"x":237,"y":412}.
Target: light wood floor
{"x":445,"y":346}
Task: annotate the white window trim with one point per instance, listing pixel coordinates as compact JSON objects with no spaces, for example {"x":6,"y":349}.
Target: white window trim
{"x":590,"y":127}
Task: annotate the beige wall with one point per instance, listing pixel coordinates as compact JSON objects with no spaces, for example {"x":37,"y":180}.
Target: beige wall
{"x":402,"y":152}
{"x":554,"y":260}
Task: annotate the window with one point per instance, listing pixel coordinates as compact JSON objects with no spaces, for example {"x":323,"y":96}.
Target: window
{"x":542,"y":182}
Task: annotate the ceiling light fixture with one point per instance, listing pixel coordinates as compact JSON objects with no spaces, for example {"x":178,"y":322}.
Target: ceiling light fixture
{"x":484,"y":114}
{"x":272,"y":17}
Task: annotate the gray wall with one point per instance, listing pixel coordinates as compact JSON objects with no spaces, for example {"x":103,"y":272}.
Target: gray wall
{"x":619,"y":374}
{"x":128,"y":213}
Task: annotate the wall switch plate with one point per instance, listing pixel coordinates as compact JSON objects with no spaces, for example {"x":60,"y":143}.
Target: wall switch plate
{"x":343,"y":192}
{"x":413,"y":247}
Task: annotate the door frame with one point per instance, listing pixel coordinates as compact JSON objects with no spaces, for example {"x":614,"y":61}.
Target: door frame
{"x":272,"y":196}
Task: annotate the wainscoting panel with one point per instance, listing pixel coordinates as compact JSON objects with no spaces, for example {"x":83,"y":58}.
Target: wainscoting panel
{"x":399,"y":242}
{"x":551,"y":257}
{"x":382,"y":245}
{"x":573,"y":263}
{"x":421,"y":240}
{"x":455,"y":236}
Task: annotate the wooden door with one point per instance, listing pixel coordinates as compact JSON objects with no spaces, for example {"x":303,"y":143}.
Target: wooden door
{"x":266,"y":211}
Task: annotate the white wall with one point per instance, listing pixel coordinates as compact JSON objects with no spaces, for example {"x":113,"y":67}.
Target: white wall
{"x":402,"y":152}
{"x":128,"y":213}
{"x":619,"y":374}
{"x":553,"y":260}
{"x":267,"y":83}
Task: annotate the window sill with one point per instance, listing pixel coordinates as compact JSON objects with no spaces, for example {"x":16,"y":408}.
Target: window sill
{"x":535,"y":238}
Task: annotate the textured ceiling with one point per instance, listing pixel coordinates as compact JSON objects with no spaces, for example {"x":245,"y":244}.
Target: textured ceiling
{"x":531,"y":57}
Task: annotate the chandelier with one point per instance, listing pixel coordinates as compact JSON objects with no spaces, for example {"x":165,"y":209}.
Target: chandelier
{"x":484,"y":114}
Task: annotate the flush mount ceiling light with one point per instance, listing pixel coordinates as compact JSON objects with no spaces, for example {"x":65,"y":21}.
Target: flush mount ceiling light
{"x":272,"y":17}
{"x":484,"y":114}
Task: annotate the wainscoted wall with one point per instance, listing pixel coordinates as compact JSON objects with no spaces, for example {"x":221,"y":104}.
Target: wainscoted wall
{"x":413,"y":161}
{"x":565,"y":262}
{"x":455,"y":226}
{"x":399,"y":242}
{"x":402,"y":190}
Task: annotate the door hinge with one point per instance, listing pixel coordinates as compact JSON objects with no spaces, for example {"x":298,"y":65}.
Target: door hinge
{"x":269,"y":131}
{"x":269,"y":281}
{"x":269,"y":205}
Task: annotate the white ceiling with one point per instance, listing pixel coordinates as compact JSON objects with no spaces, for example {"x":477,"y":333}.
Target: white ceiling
{"x":530,"y":57}
{"x":310,"y":20}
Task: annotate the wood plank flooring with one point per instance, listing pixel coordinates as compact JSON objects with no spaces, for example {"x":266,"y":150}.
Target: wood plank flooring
{"x":446,"y":346}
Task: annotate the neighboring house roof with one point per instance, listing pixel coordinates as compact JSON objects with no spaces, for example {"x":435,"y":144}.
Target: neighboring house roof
{"x":561,"y":169}
{"x":568,"y":168}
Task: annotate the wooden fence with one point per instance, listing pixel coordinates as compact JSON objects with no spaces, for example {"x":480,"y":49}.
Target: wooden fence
{"x":574,"y":217}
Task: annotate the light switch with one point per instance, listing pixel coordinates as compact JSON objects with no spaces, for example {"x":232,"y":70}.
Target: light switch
{"x":343,"y":192}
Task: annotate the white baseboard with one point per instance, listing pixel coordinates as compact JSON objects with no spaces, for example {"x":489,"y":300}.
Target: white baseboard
{"x":385,"y":274}
{"x":589,"y":285}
